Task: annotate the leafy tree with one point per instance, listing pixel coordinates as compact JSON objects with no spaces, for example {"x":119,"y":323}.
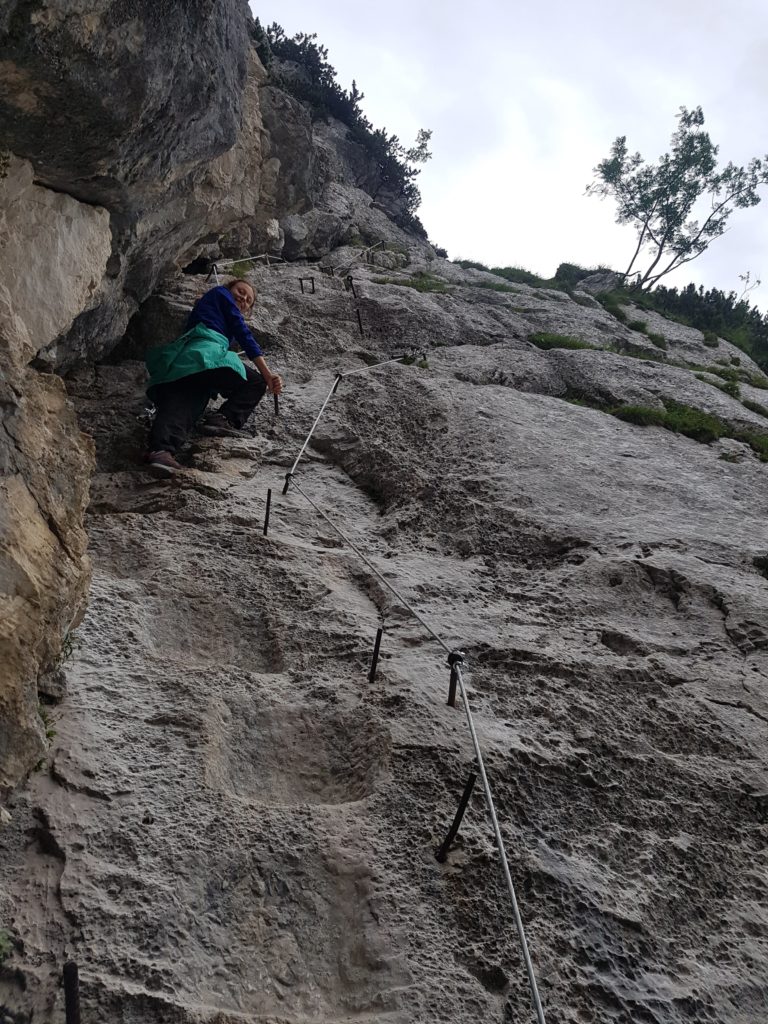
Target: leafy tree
{"x":660,"y":199}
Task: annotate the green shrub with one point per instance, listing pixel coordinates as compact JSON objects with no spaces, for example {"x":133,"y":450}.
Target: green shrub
{"x":730,"y":387}
{"x":757,"y":442}
{"x":239,"y":269}
{"x":471,"y":265}
{"x":757,"y":380}
{"x":638,"y":325}
{"x":640,"y":415}
{"x":421,"y":281}
{"x":658,"y":340}
{"x":612,"y":303}
{"x":735,"y":361}
{"x":754,"y":407}
{"x":548,"y":341}
{"x":711,"y":339}
{"x":724,"y":373}
{"x":519,"y":275}
{"x":701,"y":426}
{"x":496,"y":287}
{"x":693,"y":423}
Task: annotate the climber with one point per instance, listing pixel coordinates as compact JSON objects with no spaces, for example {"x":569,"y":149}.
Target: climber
{"x":186,"y":373}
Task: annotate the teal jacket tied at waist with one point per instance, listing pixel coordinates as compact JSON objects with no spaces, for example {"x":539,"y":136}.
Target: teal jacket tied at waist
{"x":198,"y":349}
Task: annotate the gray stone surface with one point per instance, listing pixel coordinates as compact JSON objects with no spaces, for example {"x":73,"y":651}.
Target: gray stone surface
{"x":234,"y":825}
{"x":230,"y":824}
{"x":45,"y":467}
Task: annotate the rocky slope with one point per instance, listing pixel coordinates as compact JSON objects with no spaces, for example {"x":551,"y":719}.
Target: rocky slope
{"x":135,"y":139}
{"x":233,"y":824}
{"x":228,"y":822}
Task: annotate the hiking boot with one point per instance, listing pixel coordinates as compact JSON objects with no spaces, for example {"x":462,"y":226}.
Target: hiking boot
{"x":217,"y":425}
{"x":162,"y":464}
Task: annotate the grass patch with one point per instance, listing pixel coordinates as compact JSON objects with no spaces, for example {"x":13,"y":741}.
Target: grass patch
{"x":711,"y":340}
{"x":492,"y":286}
{"x":239,"y":269}
{"x":693,"y":423}
{"x":728,"y":373}
{"x":638,"y":325}
{"x":680,"y":419}
{"x":541,"y":339}
{"x":519,"y":275}
{"x":658,"y":340}
{"x":613,"y":303}
{"x":729,"y":387}
{"x":421,"y":282}
{"x":761,"y":410}
{"x":733,"y":373}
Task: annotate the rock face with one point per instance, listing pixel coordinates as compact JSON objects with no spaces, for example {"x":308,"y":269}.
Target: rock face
{"x":54,"y":251}
{"x":235,"y":825}
{"x":136,"y":109}
{"x":134,"y":141}
{"x":46,"y":464}
{"x":231,"y":822}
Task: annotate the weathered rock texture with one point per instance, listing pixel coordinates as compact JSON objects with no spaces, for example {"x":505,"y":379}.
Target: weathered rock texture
{"x":234,"y":825}
{"x":231,"y":824}
{"x":162,"y":115}
{"x":45,"y":466}
{"x":133,"y":141}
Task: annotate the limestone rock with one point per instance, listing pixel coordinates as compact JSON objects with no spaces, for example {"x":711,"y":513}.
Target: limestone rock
{"x":602,"y":281}
{"x":44,"y":570}
{"x":54,"y":252}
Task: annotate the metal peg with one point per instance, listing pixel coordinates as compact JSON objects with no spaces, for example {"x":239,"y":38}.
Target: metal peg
{"x":266,"y":514}
{"x":375,"y":659}
{"x":441,"y":854}
{"x":71,"y":993}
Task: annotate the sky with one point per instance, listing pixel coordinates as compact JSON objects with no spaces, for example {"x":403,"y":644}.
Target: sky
{"x":524,"y":99}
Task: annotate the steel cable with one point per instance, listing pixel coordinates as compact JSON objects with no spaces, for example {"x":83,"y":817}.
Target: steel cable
{"x":475,"y":742}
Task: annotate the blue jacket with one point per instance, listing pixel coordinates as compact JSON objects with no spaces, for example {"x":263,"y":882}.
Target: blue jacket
{"x":218,"y":311}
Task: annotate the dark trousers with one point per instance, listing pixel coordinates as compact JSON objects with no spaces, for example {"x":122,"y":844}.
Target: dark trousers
{"x":181,"y":403}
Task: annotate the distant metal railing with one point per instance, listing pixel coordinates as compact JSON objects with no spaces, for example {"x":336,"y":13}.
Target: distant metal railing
{"x":363,"y":252}
{"x":268,"y":260}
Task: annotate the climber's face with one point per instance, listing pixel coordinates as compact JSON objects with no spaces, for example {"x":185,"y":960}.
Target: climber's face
{"x":243,"y":295}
